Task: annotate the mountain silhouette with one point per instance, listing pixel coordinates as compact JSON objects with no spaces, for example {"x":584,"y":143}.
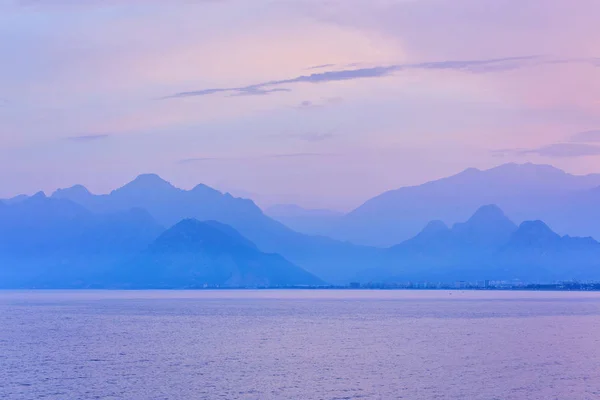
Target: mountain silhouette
{"x":524,"y":191}
{"x":193,"y":254}
{"x":332,"y":260}
{"x":67,"y":238}
{"x":538,"y":253}
{"x":48,"y":242}
{"x":489,"y":246}
{"x":489,"y":227}
{"x":14,"y":200}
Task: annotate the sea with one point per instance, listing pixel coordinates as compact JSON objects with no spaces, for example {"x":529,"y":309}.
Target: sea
{"x":299,"y":344}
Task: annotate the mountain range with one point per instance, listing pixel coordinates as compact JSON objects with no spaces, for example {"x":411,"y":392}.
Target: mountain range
{"x":489,"y":246}
{"x":568,"y":203}
{"x":48,"y":242}
{"x":194,"y":254}
{"x":56,"y":243}
{"x":125,"y":238}
{"x":332,"y":260}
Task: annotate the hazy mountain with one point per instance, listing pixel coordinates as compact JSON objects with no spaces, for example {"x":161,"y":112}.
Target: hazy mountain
{"x":14,"y":200}
{"x":56,"y":243}
{"x":525,"y":192}
{"x":536,"y":252}
{"x":438,"y":247}
{"x":332,"y":260}
{"x":193,"y":254}
{"x":489,"y":246}
{"x":312,"y":221}
{"x":485,"y":231}
{"x":488,"y":228}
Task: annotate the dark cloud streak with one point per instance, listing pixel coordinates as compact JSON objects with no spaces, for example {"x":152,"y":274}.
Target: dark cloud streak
{"x":254,"y":91}
{"x":321,"y":66}
{"x":473,"y":66}
{"x":555,"y":150}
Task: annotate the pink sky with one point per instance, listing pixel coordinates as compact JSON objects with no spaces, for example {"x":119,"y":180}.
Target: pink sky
{"x":405,"y":91}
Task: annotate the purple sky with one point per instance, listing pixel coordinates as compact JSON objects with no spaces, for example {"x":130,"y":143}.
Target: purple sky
{"x":320,"y":103}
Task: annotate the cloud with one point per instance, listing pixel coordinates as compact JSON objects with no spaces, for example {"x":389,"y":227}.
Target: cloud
{"x":321,"y":66}
{"x":329,"y":76}
{"x":556,"y":150}
{"x":254,"y":91}
{"x":88,"y":138}
{"x":334,"y":100}
{"x":311,"y":105}
{"x":474,"y":66}
{"x":479,"y":66}
{"x":586,"y":137}
{"x":307,"y":104}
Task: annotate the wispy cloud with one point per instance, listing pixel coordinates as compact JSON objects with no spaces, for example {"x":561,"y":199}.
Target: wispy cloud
{"x":474,"y":66}
{"x":322,"y":66}
{"x":256,"y":91}
{"x":87,"y":138}
{"x":595,"y":61}
{"x":307,"y":105}
{"x":320,"y":77}
{"x":555,"y":150}
{"x":586,"y":137}
{"x":311,"y":105}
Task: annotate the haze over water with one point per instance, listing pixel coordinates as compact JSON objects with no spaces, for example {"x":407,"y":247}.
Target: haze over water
{"x":275,"y":344}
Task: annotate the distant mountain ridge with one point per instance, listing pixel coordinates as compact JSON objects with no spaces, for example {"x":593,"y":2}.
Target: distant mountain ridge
{"x":56,"y":243}
{"x":46,"y":242}
{"x":332,"y":260}
{"x":193,"y":254}
{"x":489,"y":246}
{"x":75,"y":232}
{"x":487,"y":228}
{"x":525,"y":191}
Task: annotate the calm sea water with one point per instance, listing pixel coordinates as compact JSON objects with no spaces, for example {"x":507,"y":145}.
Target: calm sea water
{"x":299,"y":345}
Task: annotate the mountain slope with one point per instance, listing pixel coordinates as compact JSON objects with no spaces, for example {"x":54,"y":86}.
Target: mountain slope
{"x":485,"y":231}
{"x":538,"y":253}
{"x":48,"y":242}
{"x":193,"y":254}
{"x":332,"y":260}
{"x":524,"y":191}
{"x":489,"y":246}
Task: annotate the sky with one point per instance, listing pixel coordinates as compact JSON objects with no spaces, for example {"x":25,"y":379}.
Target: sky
{"x":321,"y":103}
